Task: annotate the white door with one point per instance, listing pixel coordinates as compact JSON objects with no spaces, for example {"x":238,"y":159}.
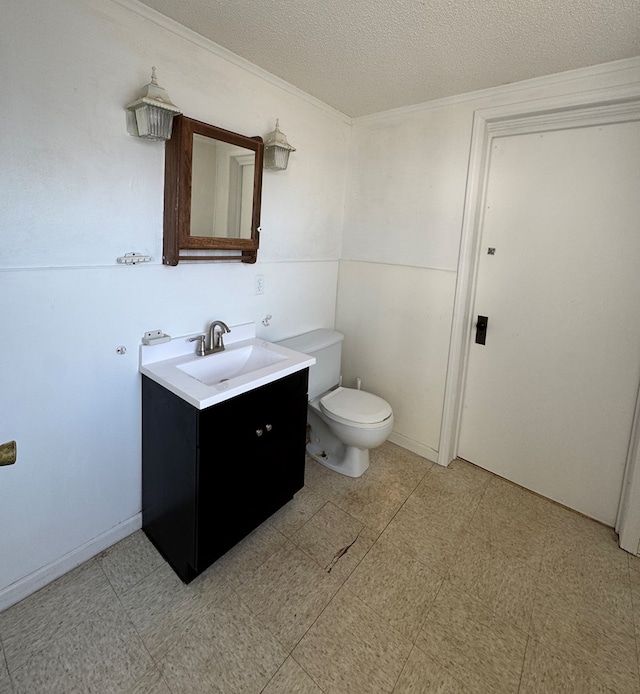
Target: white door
{"x":549,"y":399}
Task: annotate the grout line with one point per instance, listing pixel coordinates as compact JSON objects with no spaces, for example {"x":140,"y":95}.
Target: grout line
{"x":131,"y":622}
{"x":307,"y":673}
{"x":524,"y":659}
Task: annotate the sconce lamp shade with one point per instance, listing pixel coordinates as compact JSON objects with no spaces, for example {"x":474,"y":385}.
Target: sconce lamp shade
{"x":151,"y":115}
{"x":277,"y":150}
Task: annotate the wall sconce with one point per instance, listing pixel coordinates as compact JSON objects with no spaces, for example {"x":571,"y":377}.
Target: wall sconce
{"x":277,"y":150}
{"x":151,"y":115}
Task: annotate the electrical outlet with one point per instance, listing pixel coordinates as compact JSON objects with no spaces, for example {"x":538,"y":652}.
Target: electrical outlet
{"x":258,"y":287}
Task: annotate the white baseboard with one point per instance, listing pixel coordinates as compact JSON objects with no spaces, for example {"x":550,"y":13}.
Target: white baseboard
{"x":38,"y":579}
{"x":414,"y":446}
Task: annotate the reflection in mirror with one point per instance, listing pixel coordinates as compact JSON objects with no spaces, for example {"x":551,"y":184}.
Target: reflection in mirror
{"x":222,"y":189}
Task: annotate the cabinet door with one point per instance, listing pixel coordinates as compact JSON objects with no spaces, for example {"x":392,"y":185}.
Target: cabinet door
{"x":282,"y":419}
{"x":250,"y":462}
{"x":225,"y":469}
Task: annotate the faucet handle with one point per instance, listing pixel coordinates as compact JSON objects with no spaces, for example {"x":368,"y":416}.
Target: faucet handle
{"x":200,"y":348}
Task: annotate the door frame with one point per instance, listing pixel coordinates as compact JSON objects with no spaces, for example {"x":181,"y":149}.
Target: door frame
{"x":601,"y":107}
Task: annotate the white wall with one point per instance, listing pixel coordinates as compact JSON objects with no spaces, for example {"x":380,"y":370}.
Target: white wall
{"x":76,"y":191}
{"x":405,"y":204}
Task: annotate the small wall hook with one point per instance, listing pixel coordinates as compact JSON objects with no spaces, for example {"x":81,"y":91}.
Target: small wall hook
{"x":266,"y":319}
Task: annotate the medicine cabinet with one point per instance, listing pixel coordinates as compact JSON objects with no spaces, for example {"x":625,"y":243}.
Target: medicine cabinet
{"x":212,"y":194}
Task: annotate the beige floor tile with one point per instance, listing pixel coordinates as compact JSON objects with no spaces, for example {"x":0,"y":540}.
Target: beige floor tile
{"x":42,"y":618}
{"x":101,"y":654}
{"x":151,"y":683}
{"x":327,"y":483}
{"x":5,"y":681}
{"x":580,"y":545}
{"x":287,"y":593}
{"x":249,"y":554}
{"x":475,"y":646}
{"x":373,"y":502}
{"x":546,"y":672}
{"x":129,"y":561}
{"x":638,"y":646}
{"x":162,"y":607}
{"x":582,"y":561}
{"x":634,"y":563}
{"x":390,"y":468}
{"x":527,"y":505}
{"x":450,"y":496}
{"x":3,"y":662}
{"x":460,"y":477}
{"x":499,"y":580}
{"x":390,"y":463}
{"x":442,"y":509}
{"x":635,"y":595}
{"x":396,"y":586}
{"x":433,"y":542}
{"x":297,"y":512}
{"x":375,"y":497}
{"x":422,"y":675}
{"x":335,"y":540}
{"x":291,"y":679}
{"x":225,"y":651}
{"x":586,"y":634}
{"x":513,"y":528}
{"x":350,"y":649}
{"x":608,"y":598}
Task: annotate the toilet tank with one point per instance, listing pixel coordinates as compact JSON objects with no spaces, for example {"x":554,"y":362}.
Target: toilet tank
{"x":326,"y":346}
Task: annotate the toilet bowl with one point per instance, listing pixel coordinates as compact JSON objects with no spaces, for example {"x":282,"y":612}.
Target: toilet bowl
{"x":344,"y":423}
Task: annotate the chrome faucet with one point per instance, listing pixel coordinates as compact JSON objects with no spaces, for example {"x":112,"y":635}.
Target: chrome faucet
{"x":216,"y":343}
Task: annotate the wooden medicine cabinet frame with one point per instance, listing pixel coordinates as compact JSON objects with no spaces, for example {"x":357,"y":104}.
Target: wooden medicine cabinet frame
{"x":178,"y":242}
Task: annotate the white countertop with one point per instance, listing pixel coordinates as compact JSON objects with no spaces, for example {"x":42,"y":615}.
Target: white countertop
{"x":162,"y":362}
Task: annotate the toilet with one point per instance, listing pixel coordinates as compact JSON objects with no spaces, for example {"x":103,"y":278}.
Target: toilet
{"x":344,"y":422}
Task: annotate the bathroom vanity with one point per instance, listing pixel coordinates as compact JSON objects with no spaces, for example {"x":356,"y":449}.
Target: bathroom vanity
{"x":212,"y":473}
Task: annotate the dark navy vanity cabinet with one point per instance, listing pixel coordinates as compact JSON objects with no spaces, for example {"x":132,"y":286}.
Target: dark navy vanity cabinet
{"x":210,"y":477}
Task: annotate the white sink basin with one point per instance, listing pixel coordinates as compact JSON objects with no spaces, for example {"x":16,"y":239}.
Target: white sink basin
{"x":232,"y":362}
{"x":247,"y":362}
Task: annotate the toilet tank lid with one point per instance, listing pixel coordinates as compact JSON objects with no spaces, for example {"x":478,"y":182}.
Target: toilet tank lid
{"x":311,"y":342}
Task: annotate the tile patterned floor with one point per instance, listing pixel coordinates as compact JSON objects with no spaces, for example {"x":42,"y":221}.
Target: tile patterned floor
{"x":455,"y":581}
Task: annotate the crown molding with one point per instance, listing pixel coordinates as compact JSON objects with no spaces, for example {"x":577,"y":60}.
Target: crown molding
{"x":206,"y":44}
{"x":630,"y":65}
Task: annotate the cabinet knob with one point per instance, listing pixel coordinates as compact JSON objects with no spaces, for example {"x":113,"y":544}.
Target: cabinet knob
{"x":258,"y":432}
{"x":268,"y":427}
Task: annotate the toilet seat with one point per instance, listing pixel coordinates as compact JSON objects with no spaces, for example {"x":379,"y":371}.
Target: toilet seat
{"x":350,"y":406}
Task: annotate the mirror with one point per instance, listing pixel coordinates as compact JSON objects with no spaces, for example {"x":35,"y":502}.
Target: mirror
{"x":213,"y":186}
{"x":221,"y":189}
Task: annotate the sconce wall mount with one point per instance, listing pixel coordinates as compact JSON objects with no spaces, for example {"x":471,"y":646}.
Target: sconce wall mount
{"x":150,"y":116}
{"x":277,"y":150}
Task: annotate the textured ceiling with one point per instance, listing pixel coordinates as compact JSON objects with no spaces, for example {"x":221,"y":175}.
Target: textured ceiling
{"x":366,"y":56}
